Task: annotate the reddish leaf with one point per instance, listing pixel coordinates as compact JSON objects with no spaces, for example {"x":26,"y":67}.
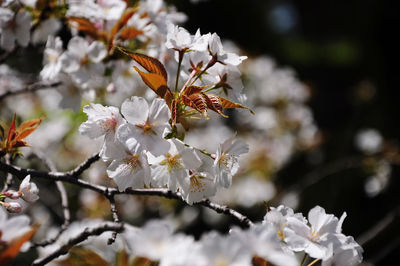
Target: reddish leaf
{"x":11,"y":131}
{"x":174,"y":107}
{"x":129,"y":33}
{"x":27,"y":127}
{"x":197,"y":102}
{"x":149,"y":63}
{"x":11,"y":250}
{"x":155,"y":82}
{"x":229,"y":104}
{"x":84,"y":25}
{"x":121,"y":23}
{"x":213,"y":103}
{"x":193,"y":89}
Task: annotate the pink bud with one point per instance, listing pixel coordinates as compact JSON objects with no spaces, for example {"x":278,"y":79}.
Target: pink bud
{"x":12,"y":194}
{"x":13,"y":207}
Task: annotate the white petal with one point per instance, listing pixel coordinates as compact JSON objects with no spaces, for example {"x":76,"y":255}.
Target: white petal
{"x":135,"y":110}
{"x":97,"y":51}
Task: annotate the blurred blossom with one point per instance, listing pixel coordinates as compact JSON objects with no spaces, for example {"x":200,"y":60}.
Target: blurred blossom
{"x":247,"y":191}
{"x":376,"y":183}
{"x":283,"y":18}
{"x":369,"y":141}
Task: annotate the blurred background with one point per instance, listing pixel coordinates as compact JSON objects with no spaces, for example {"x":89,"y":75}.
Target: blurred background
{"x":321,"y":78}
{"x":344,"y":52}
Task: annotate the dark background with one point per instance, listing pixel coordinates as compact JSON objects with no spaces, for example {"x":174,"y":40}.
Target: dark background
{"x":345,"y":51}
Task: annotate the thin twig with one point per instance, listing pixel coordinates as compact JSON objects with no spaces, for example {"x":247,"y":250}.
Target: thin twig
{"x":64,"y":201}
{"x":30,"y":88}
{"x":85,"y":234}
{"x":106,"y":191}
{"x":84,"y":166}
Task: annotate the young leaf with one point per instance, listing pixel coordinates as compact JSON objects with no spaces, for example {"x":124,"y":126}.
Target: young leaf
{"x":149,"y":63}
{"x":83,"y":24}
{"x":196,"y":101}
{"x":155,"y":82}
{"x":229,"y":104}
{"x":129,"y":33}
{"x":11,"y":250}
{"x":121,"y":23}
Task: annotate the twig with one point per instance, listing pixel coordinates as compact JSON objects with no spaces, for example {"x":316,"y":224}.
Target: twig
{"x":106,"y":191}
{"x":84,"y":166}
{"x":85,"y":234}
{"x":30,"y":88}
{"x":64,"y":201}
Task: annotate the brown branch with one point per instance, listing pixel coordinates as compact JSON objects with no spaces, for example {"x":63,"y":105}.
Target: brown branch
{"x":85,"y":234}
{"x":115,"y":218}
{"x":108,"y":192}
{"x":30,"y":88}
{"x":84,"y":166}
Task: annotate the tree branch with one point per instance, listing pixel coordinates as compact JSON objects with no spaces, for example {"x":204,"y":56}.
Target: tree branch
{"x":30,"y":88}
{"x":85,"y":234}
{"x":108,"y":192}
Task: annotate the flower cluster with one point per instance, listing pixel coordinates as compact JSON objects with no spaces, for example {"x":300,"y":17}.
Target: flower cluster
{"x":140,"y":156}
{"x":276,"y":240}
{"x":154,"y":100}
{"x":28,"y":191}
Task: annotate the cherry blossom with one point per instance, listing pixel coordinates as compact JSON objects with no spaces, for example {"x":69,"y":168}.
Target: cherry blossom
{"x":226,"y":162}
{"x":146,"y":125}
{"x":103,"y":121}
{"x":29,"y":190}
{"x":14,"y":28}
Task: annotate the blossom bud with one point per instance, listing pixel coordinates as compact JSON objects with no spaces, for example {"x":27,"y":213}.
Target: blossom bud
{"x":29,"y":190}
{"x":12,"y":194}
{"x":13,"y":207}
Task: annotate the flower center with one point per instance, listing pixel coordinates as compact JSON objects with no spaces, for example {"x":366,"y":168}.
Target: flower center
{"x":85,"y":61}
{"x":133,"y":161}
{"x":196,"y":184}
{"x":147,"y":128}
{"x":173,"y":162}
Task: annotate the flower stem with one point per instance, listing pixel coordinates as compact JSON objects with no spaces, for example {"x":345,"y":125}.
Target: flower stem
{"x":181,"y":53}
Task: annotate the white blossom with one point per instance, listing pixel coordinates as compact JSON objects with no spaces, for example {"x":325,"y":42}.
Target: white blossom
{"x":103,"y":121}
{"x":146,"y":125}
{"x":51,"y":58}
{"x":45,"y":30}
{"x":216,"y":50}
{"x":83,"y":61}
{"x":316,"y":240}
{"x":172,"y":168}
{"x":226,"y":162}
{"x":130,"y":170}
{"x":29,"y":190}
{"x":14,"y":29}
